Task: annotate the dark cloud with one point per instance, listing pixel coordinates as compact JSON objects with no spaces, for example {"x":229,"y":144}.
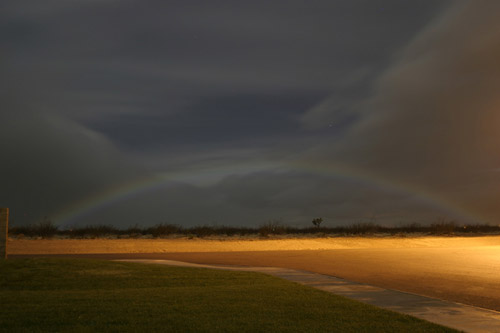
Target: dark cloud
{"x":123,"y":56}
{"x":220,"y":120}
{"x":221,"y":97}
{"x":47,"y":162}
{"x":432,"y":122}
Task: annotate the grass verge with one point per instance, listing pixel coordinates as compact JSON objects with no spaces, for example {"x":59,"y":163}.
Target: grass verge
{"x":63,"y":295}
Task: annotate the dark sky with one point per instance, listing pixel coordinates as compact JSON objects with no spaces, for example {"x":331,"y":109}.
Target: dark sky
{"x":241,"y":112}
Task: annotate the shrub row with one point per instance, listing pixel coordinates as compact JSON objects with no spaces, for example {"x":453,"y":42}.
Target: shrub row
{"x":47,"y":229}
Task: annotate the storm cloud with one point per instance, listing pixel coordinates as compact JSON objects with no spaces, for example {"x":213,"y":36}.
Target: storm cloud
{"x":240,"y":113}
{"x":432,"y":122}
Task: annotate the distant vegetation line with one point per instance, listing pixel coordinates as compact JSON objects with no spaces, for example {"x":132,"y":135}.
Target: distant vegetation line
{"x":47,"y":229}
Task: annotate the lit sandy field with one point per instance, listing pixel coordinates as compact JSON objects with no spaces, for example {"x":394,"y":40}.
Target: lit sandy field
{"x":461,"y":269}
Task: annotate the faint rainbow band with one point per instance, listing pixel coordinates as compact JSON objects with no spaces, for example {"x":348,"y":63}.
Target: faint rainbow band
{"x":129,"y":190}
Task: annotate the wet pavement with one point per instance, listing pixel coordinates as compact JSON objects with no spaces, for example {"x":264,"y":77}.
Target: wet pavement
{"x":459,"y":316}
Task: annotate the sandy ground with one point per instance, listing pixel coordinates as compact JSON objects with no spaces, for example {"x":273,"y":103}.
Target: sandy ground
{"x":461,"y":269}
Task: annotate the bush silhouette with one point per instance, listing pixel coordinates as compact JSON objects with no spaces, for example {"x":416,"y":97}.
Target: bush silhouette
{"x":317,"y":222}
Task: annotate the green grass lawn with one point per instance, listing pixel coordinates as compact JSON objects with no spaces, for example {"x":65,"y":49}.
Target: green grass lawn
{"x":70,"y":295}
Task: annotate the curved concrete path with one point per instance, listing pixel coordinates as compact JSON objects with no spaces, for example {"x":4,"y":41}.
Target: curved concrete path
{"x":459,"y":316}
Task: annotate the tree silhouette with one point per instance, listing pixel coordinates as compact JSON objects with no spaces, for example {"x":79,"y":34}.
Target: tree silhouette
{"x":317,"y":222}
